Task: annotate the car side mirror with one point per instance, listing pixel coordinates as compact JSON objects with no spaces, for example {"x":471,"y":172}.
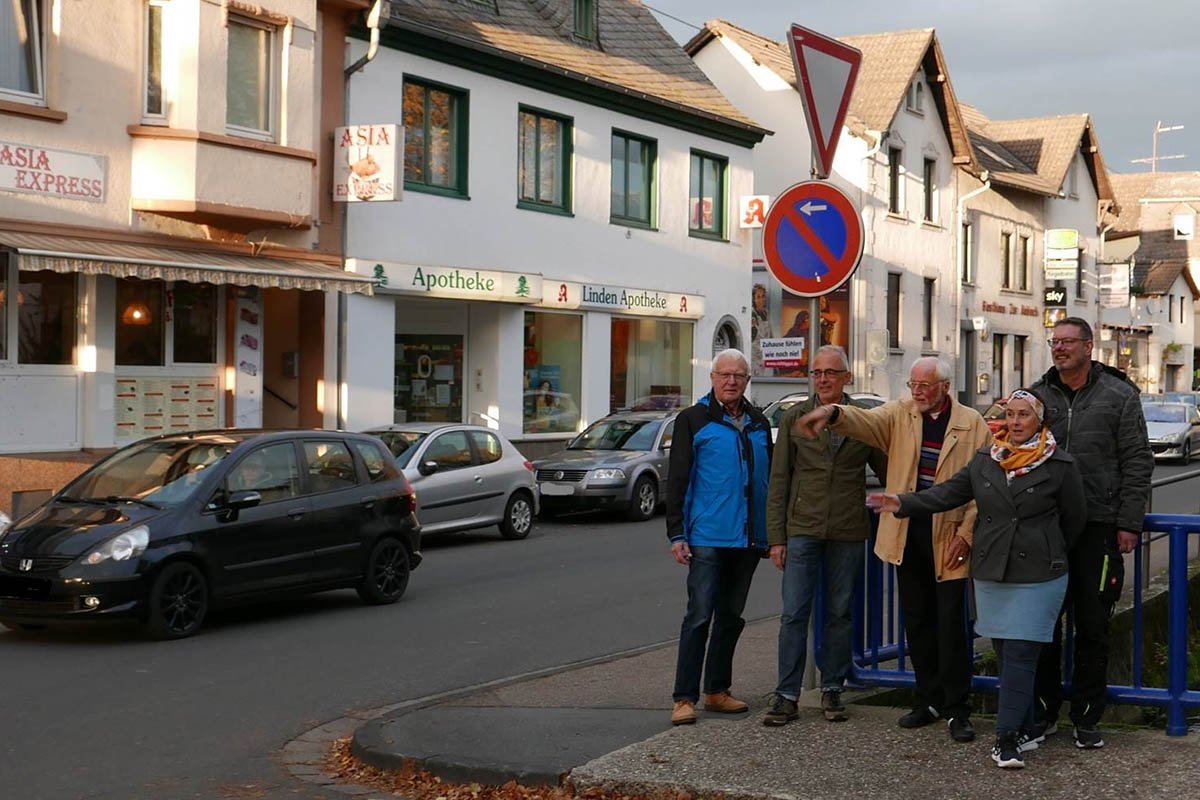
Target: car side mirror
{"x":243,"y":499}
{"x":427,"y":467}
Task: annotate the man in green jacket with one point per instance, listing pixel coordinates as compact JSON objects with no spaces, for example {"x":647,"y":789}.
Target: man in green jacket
{"x":817,"y":515}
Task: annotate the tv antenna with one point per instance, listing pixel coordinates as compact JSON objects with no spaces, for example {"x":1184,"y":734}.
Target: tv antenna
{"x":1155,"y":157}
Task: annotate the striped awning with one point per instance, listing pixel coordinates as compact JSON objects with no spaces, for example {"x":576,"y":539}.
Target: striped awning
{"x":40,"y":251}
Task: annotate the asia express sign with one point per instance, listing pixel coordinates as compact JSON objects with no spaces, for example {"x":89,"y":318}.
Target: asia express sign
{"x":31,"y":169}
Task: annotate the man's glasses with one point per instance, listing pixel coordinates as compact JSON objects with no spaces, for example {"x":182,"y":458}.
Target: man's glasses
{"x":732,"y":376}
{"x":1068,"y":341}
{"x":921,"y":386}
{"x":828,"y":373}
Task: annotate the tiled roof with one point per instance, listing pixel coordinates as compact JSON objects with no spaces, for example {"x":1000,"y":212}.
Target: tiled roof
{"x":1129,"y":189}
{"x":632,"y":51}
{"x":1159,"y":258}
{"x":889,"y":62}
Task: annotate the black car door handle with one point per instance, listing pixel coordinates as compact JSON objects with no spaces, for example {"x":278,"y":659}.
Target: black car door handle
{"x":296,"y":513}
{"x":369,"y":501}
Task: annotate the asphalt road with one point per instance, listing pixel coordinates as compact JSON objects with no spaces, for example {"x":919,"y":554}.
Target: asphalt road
{"x":103,"y":713}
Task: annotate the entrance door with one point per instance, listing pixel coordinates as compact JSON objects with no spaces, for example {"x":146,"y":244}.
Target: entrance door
{"x":429,"y":378}
{"x":966,"y":393}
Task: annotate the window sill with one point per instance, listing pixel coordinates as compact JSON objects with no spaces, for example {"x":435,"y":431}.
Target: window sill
{"x":527,"y":206}
{"x":969,"y":284}
{"x":1017,"y":292}
{"x":712,"y":237}
{"x":632,"y":223}
{"x":31,"y":111}
{"x":894,"y":217}
{"x":160,"y":132}
{"x":441,"y":191}
{"x":930,"y":225}
{"x":895,"y":351}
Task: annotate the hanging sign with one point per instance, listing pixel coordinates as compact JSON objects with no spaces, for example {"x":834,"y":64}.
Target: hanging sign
{"x":365,"y":165}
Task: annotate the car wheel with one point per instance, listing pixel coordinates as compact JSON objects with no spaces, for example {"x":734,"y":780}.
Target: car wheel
{"x":386,"y":575}
{"x":645,"y":499}
{"x":178,"y":601}
{"x":1186,"y":458}
{"x":518,"y":517}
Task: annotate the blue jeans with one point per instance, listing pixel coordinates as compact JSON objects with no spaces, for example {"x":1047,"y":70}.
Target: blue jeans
{"x":718,"y":583}
{"x":842,"y":560}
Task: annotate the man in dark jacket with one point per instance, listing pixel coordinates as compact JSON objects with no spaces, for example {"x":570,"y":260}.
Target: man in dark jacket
{"x":716,"y":504}
{"x":817,"y":517}
{"x":1097,"y":418}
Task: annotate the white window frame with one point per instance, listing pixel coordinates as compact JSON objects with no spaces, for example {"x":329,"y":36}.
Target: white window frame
{"x":273,"y":81}
{"x":914,"y":98}
{"x":148,"y":117}
{"x":170,"y":366}
{"x":930,"y":195}
{"x":967,"y":266}
{"x":10,"y":359}
{"x":39,"y":58}
{"x":1072,"y":180}
{"x":1007,"y":259}
{"x":900,"y":207}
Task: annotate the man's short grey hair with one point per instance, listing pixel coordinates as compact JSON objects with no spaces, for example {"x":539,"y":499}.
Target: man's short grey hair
{"x":837,"y":351}
{"x":731,"y":352}
{"x":940,"y":367}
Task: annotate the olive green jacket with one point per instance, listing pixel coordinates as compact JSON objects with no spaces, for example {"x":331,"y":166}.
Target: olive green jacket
{"x":815,"y":491}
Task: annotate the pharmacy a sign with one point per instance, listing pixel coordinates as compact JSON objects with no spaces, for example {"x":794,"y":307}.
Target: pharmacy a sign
{"x":466,"y":283}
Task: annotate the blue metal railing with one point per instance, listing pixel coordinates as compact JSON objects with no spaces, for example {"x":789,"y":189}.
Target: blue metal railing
{"x":879,"y":628}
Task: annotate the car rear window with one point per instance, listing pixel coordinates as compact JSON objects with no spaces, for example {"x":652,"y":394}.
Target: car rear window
{"x":330,"y":466}
{"x":488,"y":445}
{"x":379,"y":467}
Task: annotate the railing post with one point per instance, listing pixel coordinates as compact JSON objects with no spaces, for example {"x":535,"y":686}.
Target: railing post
{"x":1177,"y":644}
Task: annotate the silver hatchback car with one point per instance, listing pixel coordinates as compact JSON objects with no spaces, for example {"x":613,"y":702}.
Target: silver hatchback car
{"x":619,"y":462}
{"x":465,"y":476}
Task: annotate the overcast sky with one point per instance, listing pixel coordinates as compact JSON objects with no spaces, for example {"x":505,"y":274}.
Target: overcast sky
{"x":1128,"y":64}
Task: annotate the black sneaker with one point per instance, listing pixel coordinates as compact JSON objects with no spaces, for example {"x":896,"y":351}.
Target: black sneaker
{"x":961,"y":729}
{"x":1088,"y":738}
{"x":1026,"y":741}
{"x":831,"y":705}
{"x":780,"y":711}
{"x":1038,"y":731}
{"x":1005,"y":752}
{"x":919,"y":717}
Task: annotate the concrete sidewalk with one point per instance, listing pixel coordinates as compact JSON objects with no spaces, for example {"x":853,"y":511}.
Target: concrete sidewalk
{"x":607,"y":725}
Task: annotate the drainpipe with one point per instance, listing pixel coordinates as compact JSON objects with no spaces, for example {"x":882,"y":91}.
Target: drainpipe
{"x":986,"y":177}
{"x":376,"y":19}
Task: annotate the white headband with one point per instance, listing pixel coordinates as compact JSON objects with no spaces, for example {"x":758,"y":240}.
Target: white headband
{"x":1034,"y":403}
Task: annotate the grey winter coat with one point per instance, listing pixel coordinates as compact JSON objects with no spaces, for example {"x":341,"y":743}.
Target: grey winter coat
{"x":1105,"y":430}
{"x":1023,"y":529}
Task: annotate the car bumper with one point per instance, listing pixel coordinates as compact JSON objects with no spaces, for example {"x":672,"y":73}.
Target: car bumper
{"x":1163,"y":450}
{"x":561,"y":495}
{"x":41,"y":599}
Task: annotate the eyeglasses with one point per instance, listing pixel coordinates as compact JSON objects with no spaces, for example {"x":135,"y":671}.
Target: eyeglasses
{"x":921,"y":386}
{"x":736,"y":376}
{"x":828,"y":373}
{"x":1069,"y":341}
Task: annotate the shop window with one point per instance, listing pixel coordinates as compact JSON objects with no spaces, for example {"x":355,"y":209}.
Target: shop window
{"x":450,"y":451}
{"x":893,"y":310}
{"x":330,"y":466}
{"x":435,"y":137}
{"x":706,"y":198}
{"x":46,"y":307}
{"x":487,"y":445}
{"x":553,"y":372}
{"x":1020,"y":348}
{"x":250,"y":79}
{"x":633,"y":166}
{"x":779,"y":327}
{"x":21,"y":50}
{"x":153,"y":106}
{"x":651,"y":366}
{"x":194,"y":323}
{"x":141,"y":329}
{"x":428,"y":378}
{"x":271,"y":471}
{"x":544,"y":161}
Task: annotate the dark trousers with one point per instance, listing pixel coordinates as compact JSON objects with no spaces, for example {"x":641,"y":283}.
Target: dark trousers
{"x":1092,"y":610}
{"x":718,"y":583}
{"x":1018,"y":663}
{"x":935,"y":623}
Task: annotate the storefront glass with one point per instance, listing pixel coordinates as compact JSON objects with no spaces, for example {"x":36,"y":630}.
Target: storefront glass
{"x":3,"y":310}
{"x":553,"y":372}
{"x":428,"y":378}
{"x":779,"y":327}
{"x":140,"y":325}
{"x":195,"y":310}
{"x":651,"y":364}
{"x":46,"y":317}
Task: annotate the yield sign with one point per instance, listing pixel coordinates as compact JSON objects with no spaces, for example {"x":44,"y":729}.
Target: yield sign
{"x":825,"y":71}
{"x":812,"y":238}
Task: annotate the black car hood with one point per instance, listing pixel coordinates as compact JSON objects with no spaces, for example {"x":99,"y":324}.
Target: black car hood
{"x":71,"y":529}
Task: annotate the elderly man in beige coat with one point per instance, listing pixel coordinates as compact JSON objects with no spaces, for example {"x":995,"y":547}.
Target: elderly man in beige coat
{"x":927,"y":438}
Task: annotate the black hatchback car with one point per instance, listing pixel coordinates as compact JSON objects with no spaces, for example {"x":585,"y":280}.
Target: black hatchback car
{"x":163,"y":530}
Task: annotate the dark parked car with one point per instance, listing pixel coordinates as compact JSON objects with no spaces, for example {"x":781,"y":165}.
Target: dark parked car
{"x":166,"y":528}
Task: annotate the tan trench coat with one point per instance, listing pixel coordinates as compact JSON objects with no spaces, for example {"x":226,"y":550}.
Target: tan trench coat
{"x":895,"y":428}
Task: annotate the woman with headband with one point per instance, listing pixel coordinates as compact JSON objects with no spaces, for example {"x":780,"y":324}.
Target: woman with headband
{"x":1031,"y":508}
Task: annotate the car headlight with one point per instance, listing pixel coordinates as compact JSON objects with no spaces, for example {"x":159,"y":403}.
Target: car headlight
{"x":130,"y":544}
{"x":608,"y":474}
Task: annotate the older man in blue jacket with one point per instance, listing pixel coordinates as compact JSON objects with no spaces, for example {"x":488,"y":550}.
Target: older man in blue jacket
{"x":716,"y":521}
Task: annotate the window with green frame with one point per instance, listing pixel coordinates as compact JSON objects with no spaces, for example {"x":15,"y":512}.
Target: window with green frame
{"x":435,"y":137}
{"x":585,"y":19}
{"x":706,"y":197}
{"x":543,"y":161}
{"x":633,"y":165}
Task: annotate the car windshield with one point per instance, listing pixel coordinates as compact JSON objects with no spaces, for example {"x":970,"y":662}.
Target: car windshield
{"x":403,"y":444}
{"x":617,"y":434}
{"x":1180,"y":397}
{"x":996,"y":411}
{"x":156,"y":473}
{"x":1165,"y":413}
{"x":776,"y":410}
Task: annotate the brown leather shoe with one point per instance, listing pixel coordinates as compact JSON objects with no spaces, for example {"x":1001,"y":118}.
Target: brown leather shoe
{"x":724,"y":703}
{"x":684,"y":713}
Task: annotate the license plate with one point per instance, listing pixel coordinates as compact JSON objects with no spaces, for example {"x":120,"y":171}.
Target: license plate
{"x":557,"y":489}
{"x":24,"y":588}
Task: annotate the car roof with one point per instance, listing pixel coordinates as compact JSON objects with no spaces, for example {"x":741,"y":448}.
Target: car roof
{"x":642,"y":415}
{"x":427,"y":427}
{"x":240,"y":435}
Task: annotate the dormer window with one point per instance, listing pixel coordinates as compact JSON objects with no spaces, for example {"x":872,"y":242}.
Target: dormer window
{"x":914,"y":98}
{"x":585,"y":19}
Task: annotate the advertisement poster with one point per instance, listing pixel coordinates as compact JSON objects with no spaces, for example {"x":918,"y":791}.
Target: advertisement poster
{"x":779,"y":319}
